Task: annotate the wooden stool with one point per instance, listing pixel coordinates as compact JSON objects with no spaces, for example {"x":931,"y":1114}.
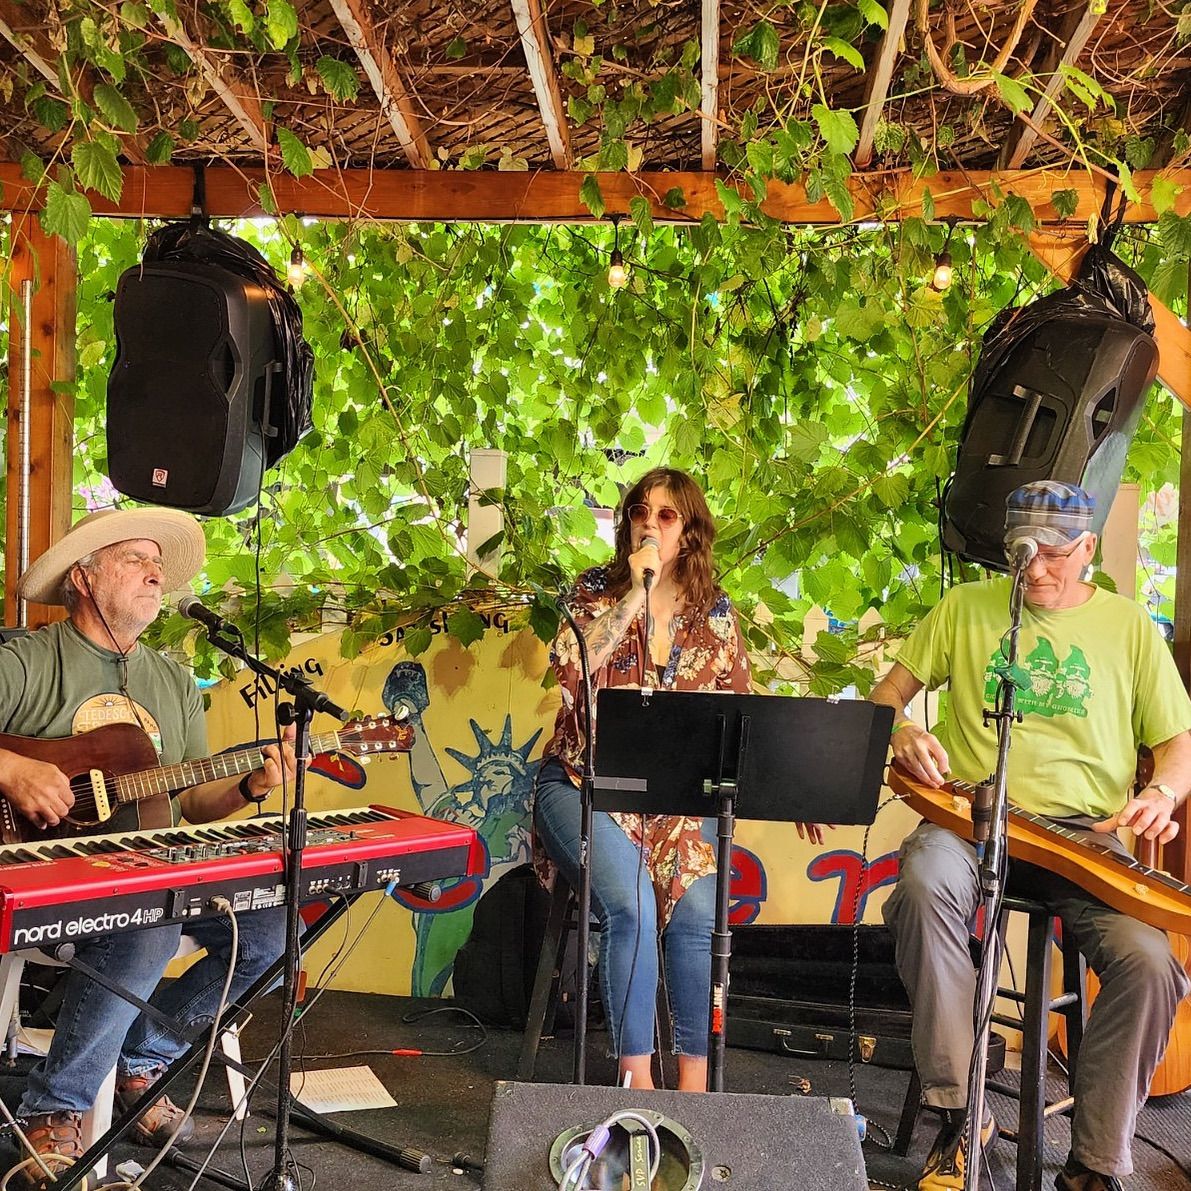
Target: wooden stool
{"x":1037,"y":1004}
{"x":543,"y":1002}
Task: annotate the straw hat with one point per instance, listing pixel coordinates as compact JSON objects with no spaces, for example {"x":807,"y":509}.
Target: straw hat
{"x":178,"y":535}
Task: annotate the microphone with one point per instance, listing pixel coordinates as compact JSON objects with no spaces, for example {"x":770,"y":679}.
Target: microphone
{"x":647,"y":574}
{"x":194,"y":609}
{"x":1022,"y":551}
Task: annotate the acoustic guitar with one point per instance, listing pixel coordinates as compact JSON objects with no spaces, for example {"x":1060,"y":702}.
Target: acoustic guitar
{"x":114,"y":769}
{"x":1119,"y":880}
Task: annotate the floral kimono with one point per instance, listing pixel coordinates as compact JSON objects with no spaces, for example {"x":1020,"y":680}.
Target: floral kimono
{"x":708,"y":655}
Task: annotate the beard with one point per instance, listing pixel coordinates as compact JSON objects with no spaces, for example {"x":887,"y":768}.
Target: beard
{"x":128,"y":619}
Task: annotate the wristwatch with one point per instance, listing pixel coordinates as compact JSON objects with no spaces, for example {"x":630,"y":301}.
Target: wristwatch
{"x":1164,"y":790}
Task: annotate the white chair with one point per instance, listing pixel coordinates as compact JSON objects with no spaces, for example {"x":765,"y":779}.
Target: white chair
{"x":98,"y":1119}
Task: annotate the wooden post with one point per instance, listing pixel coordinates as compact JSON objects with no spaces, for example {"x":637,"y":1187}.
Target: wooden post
{"x":50,"y":264}
{"x":1177,"y":854}
{"x":1061,"y":256}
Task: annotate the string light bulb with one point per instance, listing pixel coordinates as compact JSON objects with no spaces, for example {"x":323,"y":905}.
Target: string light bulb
{"x":944,"y":272}
{"x":296,"y":273}
{"x":618,"y":274}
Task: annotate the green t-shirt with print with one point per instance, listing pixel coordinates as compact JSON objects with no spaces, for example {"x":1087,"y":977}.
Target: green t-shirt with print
{"x":1094,"y":682}
{"x":55,"y":682}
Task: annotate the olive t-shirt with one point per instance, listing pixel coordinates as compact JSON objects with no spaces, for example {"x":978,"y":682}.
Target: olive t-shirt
{"x":55,"y":682}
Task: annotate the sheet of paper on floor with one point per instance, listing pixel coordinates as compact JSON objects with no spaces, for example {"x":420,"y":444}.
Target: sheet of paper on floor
{"x":340,"y":1089}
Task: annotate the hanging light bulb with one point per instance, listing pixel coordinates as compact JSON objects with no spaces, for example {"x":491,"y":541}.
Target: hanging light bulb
{"x":618,"y":275}
{"x":296,"y":273}
{"x":943,"y":272}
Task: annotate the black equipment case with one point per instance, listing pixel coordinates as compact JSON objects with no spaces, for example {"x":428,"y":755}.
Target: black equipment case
{"x":790,"y":993}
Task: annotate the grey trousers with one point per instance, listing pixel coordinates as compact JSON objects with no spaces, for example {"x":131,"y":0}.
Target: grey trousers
{"x":930,"y":913}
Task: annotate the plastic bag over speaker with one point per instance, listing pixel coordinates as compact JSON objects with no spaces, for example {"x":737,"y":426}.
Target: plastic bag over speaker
{"x":1056,"y":395}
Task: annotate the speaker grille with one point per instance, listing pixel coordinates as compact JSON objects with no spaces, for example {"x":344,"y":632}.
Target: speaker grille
{"x":193,"y":340}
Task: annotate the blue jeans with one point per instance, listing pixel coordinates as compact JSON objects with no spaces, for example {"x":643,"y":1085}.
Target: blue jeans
{"x":93,"y":1021}
{"x":194,"y":997}
{"x":624,"y":902}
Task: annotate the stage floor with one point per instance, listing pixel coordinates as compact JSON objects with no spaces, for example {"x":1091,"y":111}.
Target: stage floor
{"x":443,"y":1103}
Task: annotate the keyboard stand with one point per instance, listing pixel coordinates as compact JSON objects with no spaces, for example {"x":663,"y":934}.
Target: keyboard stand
{"x":237,"y":1014}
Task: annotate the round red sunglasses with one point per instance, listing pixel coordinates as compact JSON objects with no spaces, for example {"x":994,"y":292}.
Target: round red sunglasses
{"x":638,"y":514}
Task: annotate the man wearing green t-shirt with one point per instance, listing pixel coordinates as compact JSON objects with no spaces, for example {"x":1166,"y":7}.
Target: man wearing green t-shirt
{"x":1095,"y":682}
{"x":111,"y":572}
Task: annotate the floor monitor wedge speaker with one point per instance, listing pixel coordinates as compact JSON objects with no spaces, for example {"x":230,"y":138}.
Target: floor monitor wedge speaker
{"x":737,"y":1142}
{"x":187,"y":408}
{"x":1062,"y":405}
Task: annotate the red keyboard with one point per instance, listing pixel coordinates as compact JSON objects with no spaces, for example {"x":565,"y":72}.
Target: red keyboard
{"x":63,"y":890}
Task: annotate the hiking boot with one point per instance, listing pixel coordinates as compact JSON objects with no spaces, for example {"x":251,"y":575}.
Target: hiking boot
{"x":1075,"y":1176}
{"x":944,"y":1169}
{"x":159,"y":1120}
{"x":58,"y":1138}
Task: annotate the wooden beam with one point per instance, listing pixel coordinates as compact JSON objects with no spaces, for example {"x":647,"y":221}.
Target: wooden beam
{"x":20,"y":28}
{"x":238,"y":95}
{"x":550,"y":196}
{"x":535,"y":42}
{"x":1022,"y":136}
{"x":30,"y":41}
{"x":1062,"y":255}
{"x":49,"y":264}
{"x":709,"y":106}
{"x":386,"y":80}
{"x":880,"y":75}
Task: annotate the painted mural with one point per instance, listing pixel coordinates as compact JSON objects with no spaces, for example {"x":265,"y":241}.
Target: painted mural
{"x":481,"y":715}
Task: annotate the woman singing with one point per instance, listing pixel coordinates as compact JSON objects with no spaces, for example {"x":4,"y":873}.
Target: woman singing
{"x":651,"y":874}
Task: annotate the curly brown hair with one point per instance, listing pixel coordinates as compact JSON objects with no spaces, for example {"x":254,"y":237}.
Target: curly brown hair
{"x":693,"y":568}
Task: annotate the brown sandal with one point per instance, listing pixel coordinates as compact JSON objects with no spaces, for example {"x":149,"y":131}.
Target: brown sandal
{"x":53,"y":1135}
{"x":159,"y":1120}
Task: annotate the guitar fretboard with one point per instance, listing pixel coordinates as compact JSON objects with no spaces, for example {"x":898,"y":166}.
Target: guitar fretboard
{"x":132,"y":787}
{"x":1081,"y":839}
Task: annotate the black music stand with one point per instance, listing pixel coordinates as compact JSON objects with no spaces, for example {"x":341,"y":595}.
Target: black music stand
{"x":737,"y":756}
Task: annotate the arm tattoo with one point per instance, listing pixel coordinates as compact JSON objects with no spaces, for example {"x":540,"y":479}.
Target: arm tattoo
{"x":607,"y":630}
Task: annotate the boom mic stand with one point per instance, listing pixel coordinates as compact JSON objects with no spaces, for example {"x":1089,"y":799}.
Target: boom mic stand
{"x":992,"y":858}
{"x":306,"y":701}
{"x":586,"y":827}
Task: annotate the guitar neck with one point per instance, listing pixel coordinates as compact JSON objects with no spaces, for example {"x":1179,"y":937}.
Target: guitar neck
{"x":1110,"y":875}
{"x":1080,"y":839}
{"x":133,"y":787}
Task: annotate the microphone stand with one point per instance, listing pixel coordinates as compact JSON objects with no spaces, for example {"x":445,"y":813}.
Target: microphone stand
{"x":586,"y":827}
{"x":306,"y":701}
{"x":993,"y":859}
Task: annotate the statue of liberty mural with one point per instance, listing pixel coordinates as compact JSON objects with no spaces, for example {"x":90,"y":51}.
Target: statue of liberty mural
{"x":493,"y":799}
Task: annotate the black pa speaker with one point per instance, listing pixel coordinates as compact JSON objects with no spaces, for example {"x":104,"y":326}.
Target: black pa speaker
{"x":188,"y":392}
{"x":738,"y":1142}
{"x":1062,"y":405}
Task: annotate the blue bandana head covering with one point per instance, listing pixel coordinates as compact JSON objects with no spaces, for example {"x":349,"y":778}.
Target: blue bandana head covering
{"x":1050,"y":512}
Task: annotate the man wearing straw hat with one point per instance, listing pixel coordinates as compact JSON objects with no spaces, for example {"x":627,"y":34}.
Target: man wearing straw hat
{"x":111,"y":572}
{"x":1095,"y":682}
